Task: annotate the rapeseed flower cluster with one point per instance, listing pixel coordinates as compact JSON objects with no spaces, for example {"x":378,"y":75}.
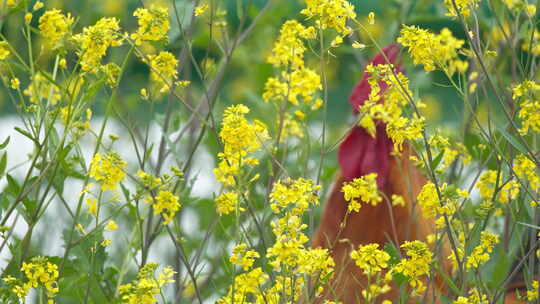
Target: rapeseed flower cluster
{"x":480,"y":253}
{"x":153,"y":24}
{"x":362,"y":189}
{"x":433,"y":51}
{"x":532,"y":294}
{"x":298,"y":194}
{"x":200,"y":10}
{"x":227,"y":202}
{"x":290,"y":198}
{"x":507,"y":191}
{"x":475,"y":297}
{"x":330,"y":14}
{"x":94,"y":42}
{"x":432,"y":206}
{"x":38,"y":273}
{"x":370,"y":259}
{"x":450,"y":150}
{"x":416,"y":265}
{"x":167,"y":204}
{"x":239,"y":138}
{"x":40,"y":88}
{"x":108,"y":170}
{"x":243,"y":257}
{"x":464,"y":7}
{"x":524,"y":94}
{"x":147,"y":286}
{"x":244,"y":285}
{"x":74,"y":120}
{"x":392,"y":111}
{"x":4,"y":50}
{"x":156,"y":193}
{"x":55,"y":27}
{"x":526,"y":170}
{"x":289,"y":257}
{"x":428,"y":199}
{"x":296,"y":82}
{"x":289,"y":48}
{"x":164,"y":70}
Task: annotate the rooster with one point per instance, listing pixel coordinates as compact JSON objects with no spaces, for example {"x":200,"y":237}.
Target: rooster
{"x":360,"y":154}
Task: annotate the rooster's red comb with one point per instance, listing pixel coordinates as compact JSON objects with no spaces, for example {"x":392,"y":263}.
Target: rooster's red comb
{"x":360,"y":154}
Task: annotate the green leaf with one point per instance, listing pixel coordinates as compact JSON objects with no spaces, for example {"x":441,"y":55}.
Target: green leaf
{"x":5,"y":143}
{"x":512,"y":140}
{"x":437,"y":160}
{"x":529,"y":225}
{"x":393,"y":252}
{"x":26,"y":134}
{"x":501,"y":267}
{"x":3,"y":164}
{"x":13,"y":187}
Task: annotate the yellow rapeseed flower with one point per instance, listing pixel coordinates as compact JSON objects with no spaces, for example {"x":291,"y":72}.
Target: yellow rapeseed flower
{"x":370,"y":258}
{"x":431,"y":50}
{"x":55,"y":26}
{"x":428,"y":200}
{"x":111,"y":226}
{"x":40,"y":88}
{"x":41,"y":272}
{"x":480,"y":253}
{"x":163,"y":69}
{"x":94,"y":42}
{"x":243,"y":257}
{"x":108,"y":170}
{"x":330,"y":14}
{"x":227,"y":202}
{"x":398,"y":127}
{"x":28,"y":18}
{"x":244,"y":285}
{"x":92,"y":206}
{"x":416,"y":264}
{"x":239,"y":137}
{"x":4,"y":50}
{"x":147,"y":287}
{"x":38,"y":5}
{"x":463,"y":7}
{"x":14,"y":83}
{"x":167,"y":204}
{"x":526,"y":170}
{"x":475,"y":297}
{"x":289,"y":48}
{"x":532,"y":294}
{"x":297,"y":194}
{"x":363,"y":189}
{"x":201,"y":9}
{"x":153,"y":24}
